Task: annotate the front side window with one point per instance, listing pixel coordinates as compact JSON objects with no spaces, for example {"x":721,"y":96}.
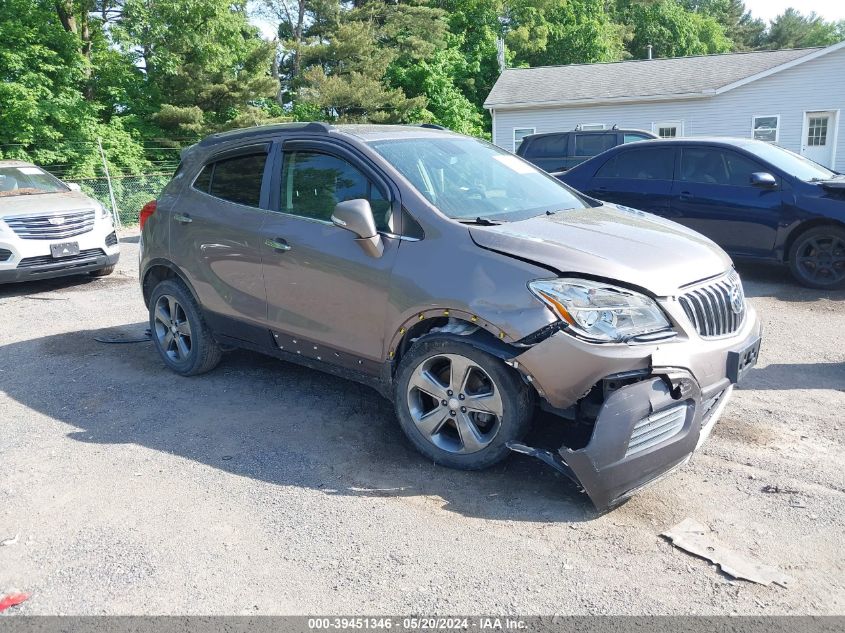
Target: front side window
{"x":640,"y":164}
{"x":28,"y":180}
{"x":765,"y":128}
{"x":467,"y":179}
{"x":237,"y":179}
{"x":593,"y":144}
{"x":313,"y":183}
{"x":519,"y":134}
{"x":717,"y":167}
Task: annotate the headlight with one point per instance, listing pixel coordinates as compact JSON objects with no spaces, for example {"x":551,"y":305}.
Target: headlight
{"x":101,"y":210}
{"x":598,"y":311}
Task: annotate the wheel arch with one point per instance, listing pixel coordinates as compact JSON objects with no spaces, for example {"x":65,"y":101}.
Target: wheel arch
{"x":455,"y":324}
{"x":805,"y":226}
{"x":159,"y":270}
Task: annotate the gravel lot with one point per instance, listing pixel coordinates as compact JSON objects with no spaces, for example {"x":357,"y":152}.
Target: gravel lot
{"x":267,"y":488}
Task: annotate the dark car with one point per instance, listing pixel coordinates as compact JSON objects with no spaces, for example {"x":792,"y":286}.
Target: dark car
{"x":463,"y":283}
{"x":559,"y":151}
{"x":756,"y":200}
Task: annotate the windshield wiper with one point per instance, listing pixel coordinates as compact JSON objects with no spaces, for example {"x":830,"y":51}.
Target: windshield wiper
{"x":480,"y":221}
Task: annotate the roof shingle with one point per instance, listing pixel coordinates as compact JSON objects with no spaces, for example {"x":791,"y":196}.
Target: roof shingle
{"x":633,"y":79}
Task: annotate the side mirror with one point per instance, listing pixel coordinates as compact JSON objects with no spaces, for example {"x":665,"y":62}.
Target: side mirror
{"x":764,"y":180}
{"x":356,"y":216}
{"x":73,"y":186}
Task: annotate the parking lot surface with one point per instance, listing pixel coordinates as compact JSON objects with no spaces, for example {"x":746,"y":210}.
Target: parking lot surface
{"x":264,"y":487}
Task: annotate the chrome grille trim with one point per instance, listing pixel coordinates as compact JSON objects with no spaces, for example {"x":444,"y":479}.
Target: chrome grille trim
{"x":40,"y":227}
{"x":656,"y":428}
{"x":709,"y":306}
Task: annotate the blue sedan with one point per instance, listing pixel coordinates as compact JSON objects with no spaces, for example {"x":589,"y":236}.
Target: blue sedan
{"x":756,"y":200}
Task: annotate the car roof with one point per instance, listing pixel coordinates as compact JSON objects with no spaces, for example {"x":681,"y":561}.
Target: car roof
{"x":364,"y":132}
{"x":726,"y":141}
{"x":624,"y":130}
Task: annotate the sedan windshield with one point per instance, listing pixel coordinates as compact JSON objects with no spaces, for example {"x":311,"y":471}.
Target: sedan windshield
{"x":470,"y":180}
{"x":28,"y":180}
{"x":790,"y":162}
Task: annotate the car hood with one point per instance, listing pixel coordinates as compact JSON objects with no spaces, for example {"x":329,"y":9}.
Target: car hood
{"x":612,"y":242}
{"x":46,"y":203}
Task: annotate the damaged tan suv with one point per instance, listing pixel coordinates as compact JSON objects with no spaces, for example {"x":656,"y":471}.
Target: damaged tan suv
{"x":460,"y":281}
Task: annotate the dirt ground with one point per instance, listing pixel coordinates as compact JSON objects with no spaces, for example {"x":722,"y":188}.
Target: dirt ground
{"x":267,"y":488}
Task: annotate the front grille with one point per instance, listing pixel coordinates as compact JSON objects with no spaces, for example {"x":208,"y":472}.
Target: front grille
{"x":5,"y":254}
{"x":52,"y":227}
{"x":656,"y":428}
{"x":717,"y":308}
{"x":111,"y":239}
{"x":82,"y":259}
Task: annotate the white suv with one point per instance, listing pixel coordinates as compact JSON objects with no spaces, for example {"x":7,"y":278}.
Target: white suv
{"x":50,"y":229}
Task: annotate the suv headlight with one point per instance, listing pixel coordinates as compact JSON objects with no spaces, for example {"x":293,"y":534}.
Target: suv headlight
{"x":600,"y":312}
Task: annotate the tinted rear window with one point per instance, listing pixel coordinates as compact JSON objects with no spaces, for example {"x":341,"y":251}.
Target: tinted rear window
{"x":236,"y":179}
{"x":593,"y":144}
{"x":643,"y":164}
{"x":547,"y":146}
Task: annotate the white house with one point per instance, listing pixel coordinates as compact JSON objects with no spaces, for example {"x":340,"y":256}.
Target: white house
{"x":795,"y":98}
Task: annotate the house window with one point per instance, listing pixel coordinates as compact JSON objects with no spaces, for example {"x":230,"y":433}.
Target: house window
{"x":591,"y":126}
{"x":668,"y":129}
{"x":817,"y":131}
{"x":766,"y":128}
{"x":520,"y":133}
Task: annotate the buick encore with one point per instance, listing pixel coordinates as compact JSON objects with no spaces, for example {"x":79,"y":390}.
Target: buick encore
{"x":49,"y":228}
{"x":466,"y":285}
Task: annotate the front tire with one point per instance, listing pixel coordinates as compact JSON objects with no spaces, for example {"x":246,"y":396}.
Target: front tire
{"x":817,"y":258}
{"x":179,"y":333}
{"x":460,"y":406}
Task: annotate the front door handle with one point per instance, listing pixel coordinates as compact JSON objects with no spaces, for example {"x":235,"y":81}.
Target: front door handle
{"x":686,"y":195}
{"x":278,"y":244}
{"x":182,"y":218}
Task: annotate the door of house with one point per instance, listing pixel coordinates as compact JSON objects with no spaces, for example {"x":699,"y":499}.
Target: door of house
{"x":819,"y":133}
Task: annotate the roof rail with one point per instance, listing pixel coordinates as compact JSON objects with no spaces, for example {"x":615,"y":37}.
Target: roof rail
{"x":318,"y":126}
{"x":432,"y":126}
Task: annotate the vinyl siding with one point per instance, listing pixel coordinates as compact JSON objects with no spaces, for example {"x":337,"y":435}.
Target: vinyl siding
{"x":818,"y":84}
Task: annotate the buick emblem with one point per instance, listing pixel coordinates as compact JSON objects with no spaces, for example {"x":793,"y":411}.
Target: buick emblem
{"x":737,"y":297}
{"x":56,"y":220}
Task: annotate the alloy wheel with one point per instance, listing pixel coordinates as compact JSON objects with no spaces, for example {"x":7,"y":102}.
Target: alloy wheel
{"x":454,"y":403}
{"x":822,"y":259}
{"x":172,"y":328}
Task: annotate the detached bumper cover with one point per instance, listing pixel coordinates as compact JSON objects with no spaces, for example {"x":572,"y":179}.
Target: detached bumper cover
{"x":647,"y":428}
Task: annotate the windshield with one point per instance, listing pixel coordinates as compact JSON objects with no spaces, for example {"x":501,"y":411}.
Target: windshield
{"x":790,"y":162}
{"x":468,"y":179}
{"x":28,"y":180}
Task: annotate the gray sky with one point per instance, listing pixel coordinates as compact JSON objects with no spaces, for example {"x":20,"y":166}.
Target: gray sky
{"x":768,"y":9}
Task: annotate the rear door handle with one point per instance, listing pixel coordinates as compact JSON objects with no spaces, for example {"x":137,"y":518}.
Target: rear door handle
{"x":182,"y":218}
{"x":278,"y":244}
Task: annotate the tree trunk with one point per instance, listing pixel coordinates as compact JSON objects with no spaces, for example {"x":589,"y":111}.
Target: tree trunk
{"x":65,"y":10}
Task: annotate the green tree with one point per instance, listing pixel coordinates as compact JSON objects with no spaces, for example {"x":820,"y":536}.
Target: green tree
{"x":671,"y":29}
{"x":793,"y":30}
{"x":745,"y":31}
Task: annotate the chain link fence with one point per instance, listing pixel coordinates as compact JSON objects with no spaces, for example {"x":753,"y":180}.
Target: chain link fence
{"x":130,"y":193}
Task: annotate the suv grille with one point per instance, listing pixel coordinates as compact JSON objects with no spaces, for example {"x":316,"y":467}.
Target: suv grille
{"x":717,"y":308}
{"x":52,"y":227}
{"x":82,"y":259}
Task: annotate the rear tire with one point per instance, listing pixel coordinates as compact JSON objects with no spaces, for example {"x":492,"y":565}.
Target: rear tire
{"x":460,"y":406}
{"x":103,"y":272}
{"x":183,"y":339}
{"x":817,"y":258}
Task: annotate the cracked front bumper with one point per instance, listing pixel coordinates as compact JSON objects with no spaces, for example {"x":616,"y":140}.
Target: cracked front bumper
{"x":649,"y":426}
